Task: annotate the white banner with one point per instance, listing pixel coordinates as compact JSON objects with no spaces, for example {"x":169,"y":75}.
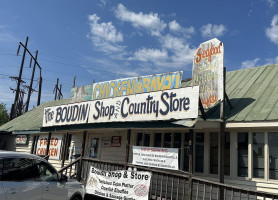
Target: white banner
{"x":120,"y":185}
{"x":166,"y":158}
{"x":54,"y":147}
{"x":179,"y":103}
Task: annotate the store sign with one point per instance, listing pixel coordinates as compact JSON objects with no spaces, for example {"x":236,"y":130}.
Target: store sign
{"x":166,"y":158}
{"x":54,"y":147}
{"x":208,"y":72}
{"x":116,"y":141}
{"x":136,"y":85}
{"x":179,"y":103}
{"x":21,"y":139}
{"x":122,"y":184}
{"x":83,"y":93}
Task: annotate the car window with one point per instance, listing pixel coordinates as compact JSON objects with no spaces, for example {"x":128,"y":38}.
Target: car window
{"x":46,"y":171}
{"x":19,"y":169}
{"x":1,"y":169}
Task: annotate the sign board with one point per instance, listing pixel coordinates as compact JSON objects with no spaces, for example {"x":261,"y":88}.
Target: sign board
{"x":106,"y":141}
{"x":122,"y":184}
{"x":54,"y":147}
{"x":136,"y":85}
{"x":179,"y":103}
{"x":208,"y":72}
{"x":116,"y":141}
{"x":166,"y":158}
{"x":83,"y":93}
{"x":21,"y":139}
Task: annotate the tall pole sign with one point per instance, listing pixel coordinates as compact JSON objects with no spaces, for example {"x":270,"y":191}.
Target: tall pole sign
{"x":208,"y":72}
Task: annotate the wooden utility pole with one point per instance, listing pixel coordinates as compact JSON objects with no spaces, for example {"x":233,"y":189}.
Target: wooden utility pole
{"x":31,"y":83}
{"x":73,"y":85}
{"x":17,"y":91}
{"x":40,"y":91}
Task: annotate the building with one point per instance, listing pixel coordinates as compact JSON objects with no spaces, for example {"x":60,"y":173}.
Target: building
{"x":251,"y":134}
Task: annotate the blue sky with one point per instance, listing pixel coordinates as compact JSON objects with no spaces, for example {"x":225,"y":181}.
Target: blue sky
{"x":109,"y":39}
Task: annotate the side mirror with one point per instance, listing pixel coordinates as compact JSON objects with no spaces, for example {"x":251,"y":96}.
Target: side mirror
{"x":63,"y":178}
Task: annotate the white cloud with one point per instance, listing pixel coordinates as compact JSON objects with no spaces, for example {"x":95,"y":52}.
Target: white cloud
{"x":270,"y":61}
{"x":271,"y":3}
{"x":212,"y":30}
{"x":182,"y":53}
{"x":272,"y":32}
{"x":249,"y":63}
{"x":152,"y":55}
{"x":176,"y":28}
{"x":104,"y":35}
{"x":151,"y":21}
{"x":106,"y":31}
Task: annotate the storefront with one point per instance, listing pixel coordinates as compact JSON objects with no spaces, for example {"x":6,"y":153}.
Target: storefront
{"x":251,"y":131}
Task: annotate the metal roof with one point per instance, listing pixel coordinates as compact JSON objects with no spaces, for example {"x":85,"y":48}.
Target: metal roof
{"x":253,"y":93}
{"x":32,"y":120}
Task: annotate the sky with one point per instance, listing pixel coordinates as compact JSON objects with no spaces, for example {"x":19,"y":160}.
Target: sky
{"x":101,"y":40}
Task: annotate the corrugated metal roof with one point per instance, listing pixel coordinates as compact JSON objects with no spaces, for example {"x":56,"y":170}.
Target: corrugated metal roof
{"x":253,"y":93}
{"x":32,"y":120}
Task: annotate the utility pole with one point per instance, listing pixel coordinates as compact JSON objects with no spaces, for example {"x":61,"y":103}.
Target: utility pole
{"x":58,"y":91}
{"x":31,"y":82}
{"x":73,"y":85}
{"x":17,"y":106}
{"x":40,"y":90}
{"x":17,"y":91}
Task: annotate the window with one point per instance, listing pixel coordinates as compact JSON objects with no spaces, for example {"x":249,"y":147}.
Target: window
{"x":242,"y":140}
{"x":46,"y":171}
{"x":227,"y":154}
{"x":214,"y":153}
{"x":186,"y":149}
{"x":147,"y":139}
{"x":273,"y":155}
{"x":177,"y":144}
{"x":94,"y":148}
{"x":139,"y":141}
{"x":143,"y":139}
{"x":157,"y":139}
{"x":167,"y":140}
{"x":258,"y":155}
{"x":1,"y":168}
{"x":199,"y":155}
{"x":19,"y":169}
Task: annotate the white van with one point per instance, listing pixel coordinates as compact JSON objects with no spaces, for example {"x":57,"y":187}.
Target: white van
{"x":30,"y":177}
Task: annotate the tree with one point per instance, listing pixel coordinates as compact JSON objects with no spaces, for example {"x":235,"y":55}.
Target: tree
{"x":4,"y":116}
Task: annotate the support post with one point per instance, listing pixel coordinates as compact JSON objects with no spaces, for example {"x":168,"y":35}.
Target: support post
{"x":48,"y":143}
{"x":127,"y":147}
{"x":79,"y":170}
{"x":222,"y":136}
{"x":190,"y":167}
{"x":66,"y":141}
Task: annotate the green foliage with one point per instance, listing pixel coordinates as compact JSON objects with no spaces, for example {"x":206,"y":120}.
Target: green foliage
{"x":4,"y":116}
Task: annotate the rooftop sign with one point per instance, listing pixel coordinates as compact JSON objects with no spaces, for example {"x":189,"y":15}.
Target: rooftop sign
{"x":208,"y":72}
{"x":136,"y":85}
{"x":179,"y":103}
